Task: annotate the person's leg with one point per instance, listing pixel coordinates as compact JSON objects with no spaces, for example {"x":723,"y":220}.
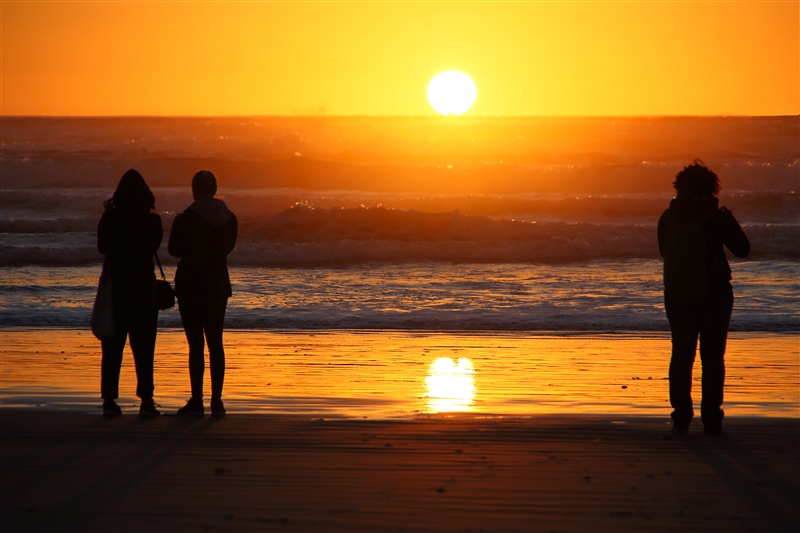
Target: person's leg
{"x":113,"y":348}
{"x":213,"y":322}
{"x":713,"y":339}
{"x":110,"y":365}
{"x":192,"y":318}
{"x":684,"y":326}
{"x":144,"y":324}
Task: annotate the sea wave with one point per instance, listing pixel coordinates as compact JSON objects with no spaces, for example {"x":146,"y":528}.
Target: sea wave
{"x":518,"y":243}
{"x":62,"y":209}
{"x":54,"y":225}
{"x":434,"y":156}
{"x":539,"y":318}
{"x":57,"y":226}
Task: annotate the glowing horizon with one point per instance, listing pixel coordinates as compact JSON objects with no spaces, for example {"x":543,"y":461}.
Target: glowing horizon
{"x":360,"y":59}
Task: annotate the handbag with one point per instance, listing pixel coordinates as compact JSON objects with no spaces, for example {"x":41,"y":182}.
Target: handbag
{"x":103,"y":309}
{"x":163,"y":295}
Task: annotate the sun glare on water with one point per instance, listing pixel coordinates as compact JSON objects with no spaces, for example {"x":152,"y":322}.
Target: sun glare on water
{"x":451,"y":92}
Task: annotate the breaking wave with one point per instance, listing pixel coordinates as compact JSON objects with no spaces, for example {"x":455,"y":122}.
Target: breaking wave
{"x":305,"y":234}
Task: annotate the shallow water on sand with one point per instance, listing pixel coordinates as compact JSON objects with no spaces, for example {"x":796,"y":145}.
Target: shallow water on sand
{"x":401,"y":373}
{"x":595,"y":296}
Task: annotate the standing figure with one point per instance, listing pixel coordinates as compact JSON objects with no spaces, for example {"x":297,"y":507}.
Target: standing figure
{"x":130,"y":233}
{"x":203,"y":236}
{"x":698,"y":296}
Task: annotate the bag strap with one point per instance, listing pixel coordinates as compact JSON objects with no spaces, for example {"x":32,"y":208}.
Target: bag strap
{"x":159,"y":266}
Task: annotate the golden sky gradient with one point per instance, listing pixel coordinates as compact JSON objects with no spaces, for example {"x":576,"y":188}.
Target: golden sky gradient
{"x":263,"y":58}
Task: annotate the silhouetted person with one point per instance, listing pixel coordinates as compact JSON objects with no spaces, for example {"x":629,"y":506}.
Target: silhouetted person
{"x":203,"y":236}
{"x":130,"y":234}
{"x":698,"y":296}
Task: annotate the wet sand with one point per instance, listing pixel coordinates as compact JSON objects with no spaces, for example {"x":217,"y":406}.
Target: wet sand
{"x":338,"y":431}
{"x":79,"y":472}
{"x":383,"y":374}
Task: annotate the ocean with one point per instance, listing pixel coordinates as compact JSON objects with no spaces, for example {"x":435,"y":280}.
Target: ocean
{"x":381,"y":223}
{"x":391,"y":266}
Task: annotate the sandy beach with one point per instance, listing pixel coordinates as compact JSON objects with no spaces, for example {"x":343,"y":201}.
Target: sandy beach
{"x":78,"y":472}
{"x":338,"y":431}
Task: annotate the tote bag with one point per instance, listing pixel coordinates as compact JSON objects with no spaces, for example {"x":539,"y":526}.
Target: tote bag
{"x":103,"y":310}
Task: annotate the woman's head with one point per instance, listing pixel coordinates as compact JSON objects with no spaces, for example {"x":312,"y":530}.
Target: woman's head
{"x":133,"y":193}
{"x":696,"y":180}
{"x":204,"y":185}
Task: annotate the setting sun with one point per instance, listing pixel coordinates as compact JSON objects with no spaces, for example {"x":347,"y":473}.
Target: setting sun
{"x":451,"y":92}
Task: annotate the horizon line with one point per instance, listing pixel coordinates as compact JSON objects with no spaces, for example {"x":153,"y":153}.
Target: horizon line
{"x":448,"y":117}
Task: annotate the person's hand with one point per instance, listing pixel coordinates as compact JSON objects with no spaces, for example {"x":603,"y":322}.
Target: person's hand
{"x":726,"y":211}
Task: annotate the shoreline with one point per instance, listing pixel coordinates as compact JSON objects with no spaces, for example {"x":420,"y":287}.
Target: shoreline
{"x":649,"y":333}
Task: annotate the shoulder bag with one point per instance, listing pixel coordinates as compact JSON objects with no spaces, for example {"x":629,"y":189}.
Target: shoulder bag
{"x":163,"y":295}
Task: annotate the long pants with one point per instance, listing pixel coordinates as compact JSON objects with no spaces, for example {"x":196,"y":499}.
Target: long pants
{"x":708,"y":318}
{"x":137,"y":319}
{"x":201,"y":317}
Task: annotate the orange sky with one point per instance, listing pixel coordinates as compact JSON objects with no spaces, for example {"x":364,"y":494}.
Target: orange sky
{"x":261,"y":58}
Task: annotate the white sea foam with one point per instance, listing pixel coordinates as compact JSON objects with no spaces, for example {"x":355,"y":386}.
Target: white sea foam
{"x":591,"y":296}
{"x":56,"y":226}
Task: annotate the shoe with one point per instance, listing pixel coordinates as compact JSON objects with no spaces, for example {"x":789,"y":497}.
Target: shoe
{"x":110,"y":408}
{"x":217,"y":408}
{"x":194,"y":407}
{"x":148,"y":408}
{"x":712,"y":422}
{"x":680,"y":429}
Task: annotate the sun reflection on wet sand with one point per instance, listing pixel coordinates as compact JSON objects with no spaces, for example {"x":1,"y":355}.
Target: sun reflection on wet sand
{"x":388,"y":373}
{"x":450,"y":385}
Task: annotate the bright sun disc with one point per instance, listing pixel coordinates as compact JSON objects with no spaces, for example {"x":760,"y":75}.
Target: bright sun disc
{"x":451,"y":92}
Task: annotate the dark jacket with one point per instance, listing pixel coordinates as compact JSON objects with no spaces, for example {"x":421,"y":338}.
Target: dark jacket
{"x":203,"y":236}
{"x":721,"y":228}
{"x":131,"y":237}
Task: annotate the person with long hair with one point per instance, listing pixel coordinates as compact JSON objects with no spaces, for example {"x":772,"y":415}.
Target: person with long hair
{"x":698,"y":296}
{"x":130,"y":233}
{"x":203,"y":236}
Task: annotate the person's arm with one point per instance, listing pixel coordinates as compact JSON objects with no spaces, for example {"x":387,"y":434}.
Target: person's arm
{"x":732,"y":234}
{"x":177,"y":242}
{"x":662,"y":229}
{"x":231,"y":231}
{"x":156,"y":233}
{"x":102,"y":234}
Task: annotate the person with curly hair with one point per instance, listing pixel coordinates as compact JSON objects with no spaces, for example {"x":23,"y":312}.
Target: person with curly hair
{"x":698,"y":296}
